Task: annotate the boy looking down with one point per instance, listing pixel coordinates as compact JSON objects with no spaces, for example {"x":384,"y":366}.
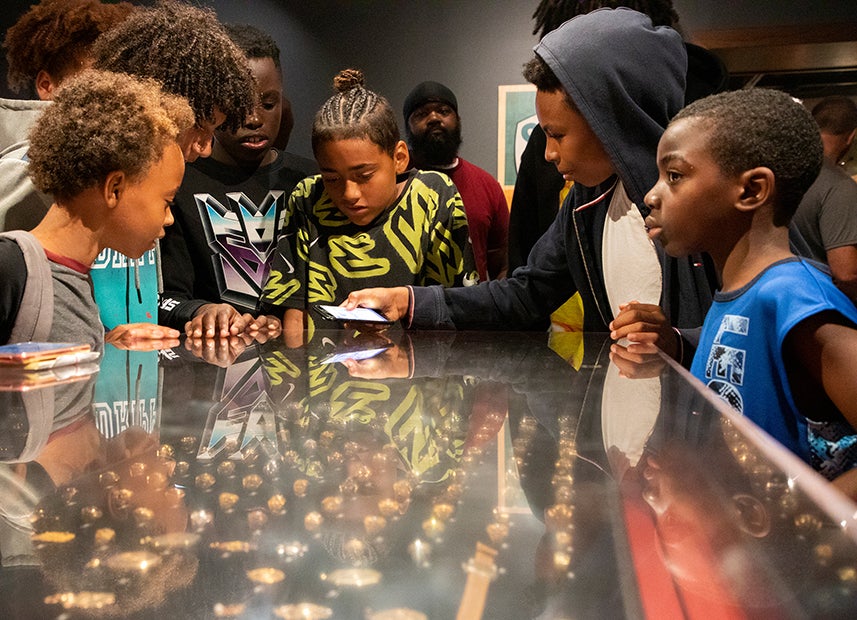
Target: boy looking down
{"x":107,"y":152}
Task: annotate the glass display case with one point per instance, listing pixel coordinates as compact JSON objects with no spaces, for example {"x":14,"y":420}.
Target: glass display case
{"x":404,"y":476}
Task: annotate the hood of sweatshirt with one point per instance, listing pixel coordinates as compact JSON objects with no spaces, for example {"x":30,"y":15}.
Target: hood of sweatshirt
{"x":627,"y":78}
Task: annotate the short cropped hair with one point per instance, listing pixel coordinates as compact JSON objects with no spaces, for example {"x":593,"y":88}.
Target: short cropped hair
{"x":254,"y":42}
{"x":762,"y":127}
{"x":538,"y":73}
{"x":55,"y":36}
{"x":355,"y":112}
{"x":102,"y":122}
{"x":551,"y":14}
{"x":188,"y":51}
{"x":836,"y":115}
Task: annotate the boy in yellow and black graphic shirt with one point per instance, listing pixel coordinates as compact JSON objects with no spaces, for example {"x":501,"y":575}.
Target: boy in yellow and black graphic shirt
{"x":364,"y":222}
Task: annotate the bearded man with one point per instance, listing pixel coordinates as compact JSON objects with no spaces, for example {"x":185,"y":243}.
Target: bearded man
{"x":433,"y":130}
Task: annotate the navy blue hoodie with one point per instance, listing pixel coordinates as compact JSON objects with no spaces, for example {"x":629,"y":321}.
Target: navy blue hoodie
{"x":627,"y":78}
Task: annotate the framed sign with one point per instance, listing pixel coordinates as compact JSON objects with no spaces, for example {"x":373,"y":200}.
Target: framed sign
{"x":516,"y":119}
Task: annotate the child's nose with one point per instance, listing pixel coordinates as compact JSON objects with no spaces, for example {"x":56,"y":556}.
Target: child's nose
{"x":254,"y":120}
{"x":352,"y":191}
{"x":551,"y":154}
{"x":168,"y":218}
{"x":651,"y":198}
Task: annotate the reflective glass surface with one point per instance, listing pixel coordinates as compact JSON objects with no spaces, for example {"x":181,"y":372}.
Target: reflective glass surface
{"x":412,"y":475}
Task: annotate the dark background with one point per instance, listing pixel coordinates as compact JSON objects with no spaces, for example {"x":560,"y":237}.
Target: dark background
{"x":475,"y":45}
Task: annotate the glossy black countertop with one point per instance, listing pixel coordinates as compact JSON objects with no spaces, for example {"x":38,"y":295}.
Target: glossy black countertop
{"x":444,"y":475}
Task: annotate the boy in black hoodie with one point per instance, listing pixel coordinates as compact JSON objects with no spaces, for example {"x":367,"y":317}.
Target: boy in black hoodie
{"x":608,"y":83}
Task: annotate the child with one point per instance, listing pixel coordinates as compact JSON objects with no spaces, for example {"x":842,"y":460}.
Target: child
{"x":779,"y":342}
{"x":50,"y":42}
{"x":228,"y":212}
{"x":185,"y":49}
{"x":607,"y":83}
{"x":107,"y":151}
{"x":363,"y":222}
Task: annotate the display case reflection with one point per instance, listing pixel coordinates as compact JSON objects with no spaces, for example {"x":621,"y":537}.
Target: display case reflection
{"x":308,"y":478}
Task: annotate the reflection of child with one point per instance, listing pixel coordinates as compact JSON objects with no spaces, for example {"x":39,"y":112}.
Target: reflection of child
{"x":364,"y":222}
{"x":107,"y":151}
{"x":779,"y":344}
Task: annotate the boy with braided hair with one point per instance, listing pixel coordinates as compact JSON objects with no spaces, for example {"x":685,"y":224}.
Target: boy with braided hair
{"x":366,"y":220}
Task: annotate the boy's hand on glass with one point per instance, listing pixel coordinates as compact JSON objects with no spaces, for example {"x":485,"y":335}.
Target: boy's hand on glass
{"x":393,"y":303}
{"x":217,"y":320}
{"x":142,"y":337}
{"x":636,"y":365}
{"x":264,"y":327}
{"x":218,"y":351}
{"x":645,"y":328}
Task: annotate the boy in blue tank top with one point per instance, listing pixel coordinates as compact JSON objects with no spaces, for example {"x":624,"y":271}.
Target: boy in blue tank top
{"x":779,"y":343}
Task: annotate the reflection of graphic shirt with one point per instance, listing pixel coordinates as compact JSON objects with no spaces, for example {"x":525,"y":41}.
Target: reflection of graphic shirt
{"x":740,"y":358}
{"x":227,"y":222}
{"x":244,"y":415}
{"x":322,"y":256}
{"x":128,"y":392}
{"x":423,"y":417}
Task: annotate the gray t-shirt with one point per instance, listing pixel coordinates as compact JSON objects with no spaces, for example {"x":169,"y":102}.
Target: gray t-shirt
{"x":827,"y":216}
{"x":76,"y":317}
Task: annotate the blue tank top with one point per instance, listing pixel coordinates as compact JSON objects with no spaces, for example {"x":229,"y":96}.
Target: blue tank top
{"x":740,"y":358}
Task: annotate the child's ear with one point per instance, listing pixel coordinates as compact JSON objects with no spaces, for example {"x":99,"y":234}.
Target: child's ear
{"x":45,"y":85}
{"x":401,"y":156}
{"x":113,"y":188}
{"x":757,"y":188}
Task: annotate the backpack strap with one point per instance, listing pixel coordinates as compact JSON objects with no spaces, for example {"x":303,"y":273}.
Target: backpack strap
{"x":36,"y":313}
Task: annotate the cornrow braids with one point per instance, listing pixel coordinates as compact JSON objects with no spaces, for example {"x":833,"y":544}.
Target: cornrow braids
{"x":550,"y":14}
{"x":55,"y":36}
{"x":762,"y":127}
{"x":355,"y":112}
{"x":188,"y":51}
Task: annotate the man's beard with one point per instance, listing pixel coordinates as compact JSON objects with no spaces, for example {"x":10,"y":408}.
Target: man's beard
{"x":436,"y":148}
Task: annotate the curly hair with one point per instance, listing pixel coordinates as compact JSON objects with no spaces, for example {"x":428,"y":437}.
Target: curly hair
{"x":836,"y":114}
{"x":762,"y":127}
{"x":254,"y":42}
{"x":101,"y":122}
{"x":56,"y":36}
{"x":188,"y":51}
{"x":355,"y":112}
{"x":550,"y":14}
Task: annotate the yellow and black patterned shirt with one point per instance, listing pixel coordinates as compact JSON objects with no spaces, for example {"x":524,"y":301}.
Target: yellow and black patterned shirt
{"x":322,"y":256}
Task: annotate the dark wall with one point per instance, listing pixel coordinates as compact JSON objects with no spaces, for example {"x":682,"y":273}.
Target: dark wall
{"x":471,"y":46}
